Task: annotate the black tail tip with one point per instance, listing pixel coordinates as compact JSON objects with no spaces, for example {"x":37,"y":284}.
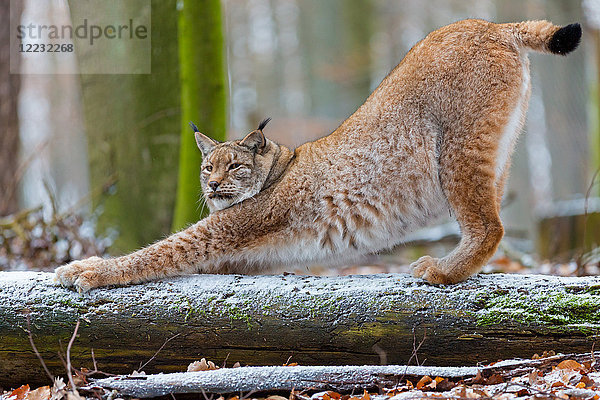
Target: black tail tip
{"x":566,"y":39}
{"x":194,"y":127}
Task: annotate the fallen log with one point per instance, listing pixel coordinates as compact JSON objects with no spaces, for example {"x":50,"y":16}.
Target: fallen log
{"x":267,"y":379}
{"x":315,"y":378}
{"x":263,"y":320}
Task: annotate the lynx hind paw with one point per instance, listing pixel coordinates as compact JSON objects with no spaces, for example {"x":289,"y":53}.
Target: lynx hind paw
{"x":428,"y":268}
{"x":83,"y":274}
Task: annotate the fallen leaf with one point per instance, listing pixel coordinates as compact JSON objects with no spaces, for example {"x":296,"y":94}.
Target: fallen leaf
{"x":495,"y":379}
{"x":587,"y":381}
{"x":534,"y":377}
{"x":426,"y":380}
{"x":324,"y":395}
{"x":570,"y":364}
{"x":461,"y":391}
{"x":41,"y":393}
{"x":19,"y":393}
{"x":522,"y":392}
{"x":479,"y":379}
{"x":444,"y":385}
{"x":201,"y":365}
{"x":545,"y":354}
{"x":588,"y":365}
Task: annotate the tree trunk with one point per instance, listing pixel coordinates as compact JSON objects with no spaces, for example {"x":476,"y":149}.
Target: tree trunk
{"x":568,"y":232}
{"x":9,"y":99}
{"x":263,"y":320}
{"x":202,"y":77}
{"x":132,"y":124}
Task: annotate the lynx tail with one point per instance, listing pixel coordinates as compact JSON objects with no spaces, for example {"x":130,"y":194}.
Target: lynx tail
{"x":546,"y":37}
{"x":566,"y":39}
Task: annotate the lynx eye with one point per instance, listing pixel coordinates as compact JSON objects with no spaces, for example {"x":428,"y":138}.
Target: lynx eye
{"x":234,"y":166}
{"x":208,"y":168}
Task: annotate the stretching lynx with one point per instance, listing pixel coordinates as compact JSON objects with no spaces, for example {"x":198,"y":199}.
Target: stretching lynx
{"x":435,"y":136}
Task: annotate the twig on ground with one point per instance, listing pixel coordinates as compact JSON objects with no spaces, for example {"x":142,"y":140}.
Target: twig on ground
{"x":158,"y":351}
{"x":414,"y":352}
{"x":37,"y":353}
{"x":69,"y":374}
{"x":225,"y":361}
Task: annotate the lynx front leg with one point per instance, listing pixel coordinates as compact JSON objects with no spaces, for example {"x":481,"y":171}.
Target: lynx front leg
{"x":234,"y":240}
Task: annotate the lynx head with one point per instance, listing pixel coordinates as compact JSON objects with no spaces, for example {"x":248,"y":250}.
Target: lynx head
{"x":235,"y":170}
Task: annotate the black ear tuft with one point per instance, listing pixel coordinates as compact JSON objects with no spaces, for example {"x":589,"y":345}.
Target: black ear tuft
{"x":263,"y":123}
{"x":194,"y":127}
{"x":566,"y":39}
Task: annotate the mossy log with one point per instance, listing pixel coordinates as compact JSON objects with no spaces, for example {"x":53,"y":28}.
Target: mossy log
{"x":263,"y":320}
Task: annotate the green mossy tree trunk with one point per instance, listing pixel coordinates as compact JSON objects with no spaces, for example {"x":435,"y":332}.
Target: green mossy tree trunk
{"x":132,"y":125}
{"x":358,"y":30}
{"x":202,"y":77}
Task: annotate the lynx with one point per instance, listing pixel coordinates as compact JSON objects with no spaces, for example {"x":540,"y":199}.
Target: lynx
{"x":434,"y":137}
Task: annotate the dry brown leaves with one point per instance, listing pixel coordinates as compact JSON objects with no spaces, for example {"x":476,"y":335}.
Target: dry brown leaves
{"x":55,"y":392}
{"x":31,"y":240}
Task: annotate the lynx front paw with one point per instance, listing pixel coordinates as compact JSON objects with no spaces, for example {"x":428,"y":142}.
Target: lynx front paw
{"x":429,"y":269}
{"x":84,"y":274}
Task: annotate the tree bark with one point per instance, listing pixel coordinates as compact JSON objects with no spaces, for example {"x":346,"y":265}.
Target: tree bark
{"x":263,"y":320}
{"x":202,"y":78}
{"x":132,"y":124}
{"x":9,"y":100}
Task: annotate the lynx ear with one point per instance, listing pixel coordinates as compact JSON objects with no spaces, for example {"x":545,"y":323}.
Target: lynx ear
{"x":205,"y":144}
{"x":254,"y":141}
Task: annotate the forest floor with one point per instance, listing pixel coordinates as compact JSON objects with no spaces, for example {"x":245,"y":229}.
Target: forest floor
{"x":558,"y":378}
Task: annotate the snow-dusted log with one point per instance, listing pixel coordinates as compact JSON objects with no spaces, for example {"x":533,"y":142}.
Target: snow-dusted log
{"x":300,"y":378}
{"x":263,"y":379}
{"x":263,"y":320}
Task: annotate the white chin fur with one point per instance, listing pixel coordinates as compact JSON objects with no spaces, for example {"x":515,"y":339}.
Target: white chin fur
{"x":220,"y":204}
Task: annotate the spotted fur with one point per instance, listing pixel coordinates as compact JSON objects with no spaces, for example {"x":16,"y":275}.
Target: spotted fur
{"x":435,"y":136}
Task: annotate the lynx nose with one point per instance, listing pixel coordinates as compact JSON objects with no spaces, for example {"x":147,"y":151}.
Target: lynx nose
{"x":213,"y":185}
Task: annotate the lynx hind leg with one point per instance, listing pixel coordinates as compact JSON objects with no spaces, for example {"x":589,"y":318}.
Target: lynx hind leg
{"x":468,"y":177}
{"x":471,"y":191}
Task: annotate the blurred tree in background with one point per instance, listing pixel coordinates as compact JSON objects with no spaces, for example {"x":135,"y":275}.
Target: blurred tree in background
{"x":9,"y":118}
{"x":132,"y":123}
{"x":203,"y":97}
